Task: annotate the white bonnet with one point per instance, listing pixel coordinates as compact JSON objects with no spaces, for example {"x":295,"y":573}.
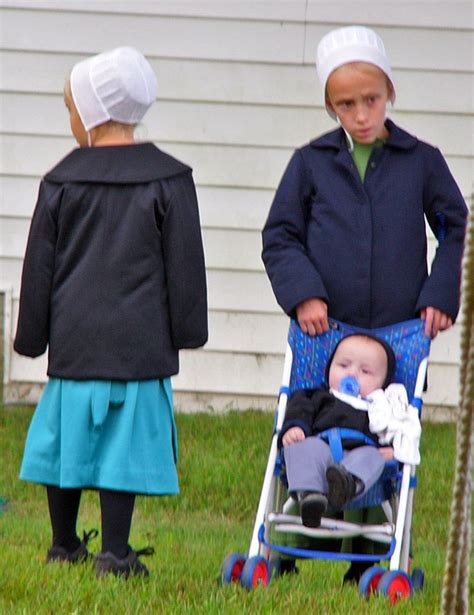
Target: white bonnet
{"x":350,"y":44}
{"x":115,"y":85}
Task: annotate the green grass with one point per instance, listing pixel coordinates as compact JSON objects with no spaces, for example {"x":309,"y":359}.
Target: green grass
{"x":222,"y":462}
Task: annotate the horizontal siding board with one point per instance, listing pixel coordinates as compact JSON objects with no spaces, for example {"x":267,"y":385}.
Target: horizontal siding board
{"x":426,"y":13}
{"x":211,"y":123}
{"x":446,"y":347}
{"x":244,"y":332}
{"x":17,"y":196}
{"x":164,"y":36}
{"x":10,"y":274}
{"x":258,"y":167}
{"x":292,"y":10}
{"x":13,"y":236}
{"x":247,"y":291}
{"x":233,"y":249}
{"x":234,"y":208}
{"x":249,"y":82}
{"x":432,"y":13}
{"x":443,"y":385}
{"x":240,"y":40}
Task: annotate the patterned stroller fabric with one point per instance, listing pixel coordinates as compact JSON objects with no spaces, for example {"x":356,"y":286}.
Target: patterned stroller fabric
{"x":310,"y":356}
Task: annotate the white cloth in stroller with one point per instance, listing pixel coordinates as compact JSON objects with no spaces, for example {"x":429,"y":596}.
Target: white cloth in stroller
{"x":396,"y":422}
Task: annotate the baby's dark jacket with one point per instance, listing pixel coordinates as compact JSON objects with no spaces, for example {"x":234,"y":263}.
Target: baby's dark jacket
{"x":114,"y":277}
{"x":315,"y":410}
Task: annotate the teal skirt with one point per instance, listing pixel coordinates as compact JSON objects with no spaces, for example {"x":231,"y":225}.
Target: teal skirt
{"x":104,"y":435}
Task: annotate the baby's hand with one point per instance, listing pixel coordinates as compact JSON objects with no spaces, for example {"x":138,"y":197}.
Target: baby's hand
{"x":312,"y":316}
{"x":294,"y":434}
{"x":386,"y":452}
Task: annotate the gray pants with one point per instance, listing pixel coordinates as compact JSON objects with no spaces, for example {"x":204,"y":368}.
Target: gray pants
{"x":306,"y":464}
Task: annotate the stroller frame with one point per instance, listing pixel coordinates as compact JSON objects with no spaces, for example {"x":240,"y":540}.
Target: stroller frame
{"x":272,"y":513}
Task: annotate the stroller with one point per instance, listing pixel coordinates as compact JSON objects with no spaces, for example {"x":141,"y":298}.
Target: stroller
{"x":304,"y":367}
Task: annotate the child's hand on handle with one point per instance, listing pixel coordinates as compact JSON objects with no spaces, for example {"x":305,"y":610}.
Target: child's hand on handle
{"x":312,"y":316}
{"x":435,"y":321}
{"x":294,"y":434}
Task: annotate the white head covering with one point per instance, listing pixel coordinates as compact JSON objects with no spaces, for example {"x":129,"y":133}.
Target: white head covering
{"x":351,"y":44}
{"x":115,"y":85}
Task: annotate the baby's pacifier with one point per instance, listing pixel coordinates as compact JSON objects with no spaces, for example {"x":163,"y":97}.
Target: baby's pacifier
{"x":349,"y":386}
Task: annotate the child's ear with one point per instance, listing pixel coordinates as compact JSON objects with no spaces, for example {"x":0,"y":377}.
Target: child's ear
{"x":390,"y":89}
{"x":329,"y":104}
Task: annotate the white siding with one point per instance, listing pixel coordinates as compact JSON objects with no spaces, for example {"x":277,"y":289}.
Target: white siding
{"x":237,"y":93}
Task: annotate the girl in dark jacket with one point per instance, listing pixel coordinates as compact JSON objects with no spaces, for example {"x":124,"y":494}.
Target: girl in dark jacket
{"x":114,"y":285}
{"x":346,"y":236}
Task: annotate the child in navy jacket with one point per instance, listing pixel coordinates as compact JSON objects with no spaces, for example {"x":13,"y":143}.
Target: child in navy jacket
{"x":345,"y":236}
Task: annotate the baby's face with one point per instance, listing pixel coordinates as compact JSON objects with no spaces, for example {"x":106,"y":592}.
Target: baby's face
{"x":360,"y":357}
{"x":358,"y":94}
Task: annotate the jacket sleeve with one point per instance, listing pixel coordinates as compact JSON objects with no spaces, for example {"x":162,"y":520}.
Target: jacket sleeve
{"x":184,"y":264}
{"x":32,"y":333}
{"x":301,"y":411}
{"x":293,"y":276}
{"x":446,"y":213}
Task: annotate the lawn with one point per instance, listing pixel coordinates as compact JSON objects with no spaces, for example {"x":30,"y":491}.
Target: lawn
{"x":222,"y":462}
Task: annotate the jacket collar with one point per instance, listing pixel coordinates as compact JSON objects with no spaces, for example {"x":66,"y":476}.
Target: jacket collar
{"x":398,"y":139}
{"x":119,"y":164}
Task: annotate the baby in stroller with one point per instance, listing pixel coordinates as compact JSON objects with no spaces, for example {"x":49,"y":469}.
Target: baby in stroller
{"x":360,"y":398}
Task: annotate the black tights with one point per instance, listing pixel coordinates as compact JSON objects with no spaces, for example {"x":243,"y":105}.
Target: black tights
{"x":116,"y":511}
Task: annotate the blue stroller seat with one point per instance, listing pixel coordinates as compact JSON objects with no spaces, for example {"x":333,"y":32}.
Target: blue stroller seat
{"x":304,"y":368}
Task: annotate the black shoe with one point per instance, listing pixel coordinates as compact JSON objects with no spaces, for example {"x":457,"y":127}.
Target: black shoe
{"x":355,"y":572}
{"x":288,"y":566}
{"x":130,"y":565}
{"x":341,"y":486}
{"x":312,"y":507}
{"x":80,"y":554}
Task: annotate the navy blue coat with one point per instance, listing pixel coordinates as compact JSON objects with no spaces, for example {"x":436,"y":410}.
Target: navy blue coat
{"x":114,"y":278}
{"x":361,"y":246}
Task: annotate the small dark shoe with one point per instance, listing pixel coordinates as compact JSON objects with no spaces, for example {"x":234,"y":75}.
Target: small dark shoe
{"x":130,"y":565}
{"x":355,"y":572}
{"x":79,"y":555}
{"x":288,"y":566}
{"x":341,"y":486}
{"x":312,"y":507}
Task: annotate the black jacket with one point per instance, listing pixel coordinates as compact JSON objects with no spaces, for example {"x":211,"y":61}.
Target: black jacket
{"x":114,"y":278}
{"x":315,"y":410}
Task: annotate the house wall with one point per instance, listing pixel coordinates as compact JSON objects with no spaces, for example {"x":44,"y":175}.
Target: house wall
{"x":237,"y":93}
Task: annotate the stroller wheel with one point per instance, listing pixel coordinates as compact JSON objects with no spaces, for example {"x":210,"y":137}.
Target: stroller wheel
{"x":256,"y":572}
{"x":370,"y":580}
{"x":231,"y":569}
{"x":396,"y":584}
{"x":418,"y":579}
